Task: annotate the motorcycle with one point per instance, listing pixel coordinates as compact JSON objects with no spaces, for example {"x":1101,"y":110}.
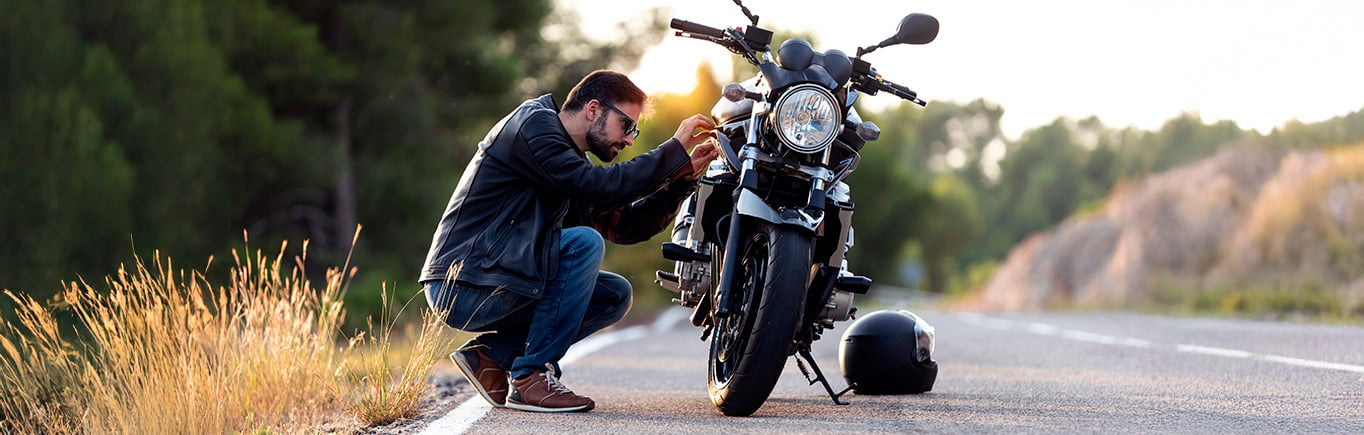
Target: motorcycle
{"x":760,"y":252}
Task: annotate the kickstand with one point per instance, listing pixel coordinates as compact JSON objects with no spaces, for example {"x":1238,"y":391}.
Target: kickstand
{"x":819,"y":376}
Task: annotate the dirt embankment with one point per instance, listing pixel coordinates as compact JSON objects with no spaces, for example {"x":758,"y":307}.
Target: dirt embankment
{"x":1241,"y":218}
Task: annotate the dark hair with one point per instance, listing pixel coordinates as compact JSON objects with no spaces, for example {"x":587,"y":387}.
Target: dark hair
{"x":606,"y":86}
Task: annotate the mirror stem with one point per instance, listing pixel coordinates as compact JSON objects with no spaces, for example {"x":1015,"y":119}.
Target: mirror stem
{"x":751,"y":17}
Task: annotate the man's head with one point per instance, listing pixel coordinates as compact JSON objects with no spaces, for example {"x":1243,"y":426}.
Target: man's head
{"x":606,"y":106}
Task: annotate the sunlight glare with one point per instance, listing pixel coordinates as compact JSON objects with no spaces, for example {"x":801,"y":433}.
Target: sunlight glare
{"x":671,"y":66}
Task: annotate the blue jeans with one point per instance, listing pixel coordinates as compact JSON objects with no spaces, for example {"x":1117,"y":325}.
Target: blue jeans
{"x":527,"y":333}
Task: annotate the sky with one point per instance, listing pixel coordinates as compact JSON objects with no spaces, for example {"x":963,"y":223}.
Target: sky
{"x":1137,"y":63}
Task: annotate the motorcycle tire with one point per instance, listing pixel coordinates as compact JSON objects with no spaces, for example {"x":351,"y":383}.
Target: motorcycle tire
{"x":749,"y":347}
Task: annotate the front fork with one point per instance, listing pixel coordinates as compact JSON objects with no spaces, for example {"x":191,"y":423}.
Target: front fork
{"x":748,"y":179}
{"x":723,"y":305}
{"x":836,"y":284}
{"x":694,"y":232}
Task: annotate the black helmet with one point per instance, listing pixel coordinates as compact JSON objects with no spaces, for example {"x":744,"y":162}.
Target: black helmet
{"x":888,"y":352}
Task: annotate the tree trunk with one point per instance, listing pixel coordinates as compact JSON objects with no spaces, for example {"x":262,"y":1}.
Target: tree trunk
{"x":345,"y":186}
{"x":344,"y":213}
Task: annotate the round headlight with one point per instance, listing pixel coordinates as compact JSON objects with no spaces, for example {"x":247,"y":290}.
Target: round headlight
{"x":807,"y":118}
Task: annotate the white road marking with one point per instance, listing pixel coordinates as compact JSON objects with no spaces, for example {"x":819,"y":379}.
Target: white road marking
{"x":1134,"y":342}
{"x":1090,"y":337}
{"x":466,"y":414}
{"x":1042,"y":328}
{"x":1315,"y":364}
{"x":993,"y":323}
{"x":1229,"y":353}
{"x":461,"y":418}
{"x":600,"y":341}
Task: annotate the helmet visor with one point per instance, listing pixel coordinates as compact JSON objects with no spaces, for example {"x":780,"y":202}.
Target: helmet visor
{"x":923,"y":336}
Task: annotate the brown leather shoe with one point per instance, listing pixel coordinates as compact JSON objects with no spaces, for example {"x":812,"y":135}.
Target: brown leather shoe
{"x":542,"y":392}
{"x":487,"y":378}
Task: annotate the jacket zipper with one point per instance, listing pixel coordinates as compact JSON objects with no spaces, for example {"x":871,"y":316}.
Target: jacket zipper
{"x":500,"y":235}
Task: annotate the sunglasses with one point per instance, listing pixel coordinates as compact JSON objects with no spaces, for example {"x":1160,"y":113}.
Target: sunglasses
{"x":632,"y":129}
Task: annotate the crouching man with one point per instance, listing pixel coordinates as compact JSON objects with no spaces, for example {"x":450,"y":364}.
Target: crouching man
{"x":519,"y":248}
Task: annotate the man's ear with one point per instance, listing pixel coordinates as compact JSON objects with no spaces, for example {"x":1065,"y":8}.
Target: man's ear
{"x":592,"y":109}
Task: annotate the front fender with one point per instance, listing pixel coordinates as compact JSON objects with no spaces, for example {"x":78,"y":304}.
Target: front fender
{"x":751,"y":205}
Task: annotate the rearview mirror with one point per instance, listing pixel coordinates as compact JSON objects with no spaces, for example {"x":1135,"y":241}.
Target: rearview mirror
{"x":916,"y":29}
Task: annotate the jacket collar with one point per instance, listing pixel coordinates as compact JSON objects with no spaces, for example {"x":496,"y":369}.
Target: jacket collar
{"x":547,"y":100}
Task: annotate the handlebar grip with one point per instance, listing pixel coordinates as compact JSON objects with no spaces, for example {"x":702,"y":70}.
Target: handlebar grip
{"x":903,"y":91}
{"x":699,"y":29}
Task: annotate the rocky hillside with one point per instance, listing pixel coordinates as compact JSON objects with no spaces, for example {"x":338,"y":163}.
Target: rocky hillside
{"x":1243,"y":218}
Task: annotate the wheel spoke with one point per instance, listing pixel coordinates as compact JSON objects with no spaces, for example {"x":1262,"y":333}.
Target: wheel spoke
{"x":732,"y":332}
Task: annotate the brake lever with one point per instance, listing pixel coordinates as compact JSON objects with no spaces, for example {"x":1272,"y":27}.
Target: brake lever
{"x":733,"y":41}
{"x":740,"y":46}
{"x":903,"y":92}
{"x":726,"y":42}
{"x":699,"y":36}
{"x":874,"y":82}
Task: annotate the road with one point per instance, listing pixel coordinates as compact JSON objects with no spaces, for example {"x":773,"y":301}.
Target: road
{"x":1045,"y":372}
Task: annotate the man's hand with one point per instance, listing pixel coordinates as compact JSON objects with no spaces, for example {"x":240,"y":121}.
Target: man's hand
{"x":701,"y":157}
{"x":687,"y":131}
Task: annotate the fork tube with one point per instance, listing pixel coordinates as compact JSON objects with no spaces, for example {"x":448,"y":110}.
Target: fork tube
{"x":730,"y":265}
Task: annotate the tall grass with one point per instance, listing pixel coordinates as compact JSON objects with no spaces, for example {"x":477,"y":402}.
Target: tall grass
{"x":381,"y":395}
{"x":166,"y":351}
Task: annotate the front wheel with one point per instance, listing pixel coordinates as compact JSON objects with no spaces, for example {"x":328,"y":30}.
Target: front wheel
{"x":749,"y":347}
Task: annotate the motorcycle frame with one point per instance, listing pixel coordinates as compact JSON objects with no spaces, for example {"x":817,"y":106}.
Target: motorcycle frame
{"x":737,"y":186}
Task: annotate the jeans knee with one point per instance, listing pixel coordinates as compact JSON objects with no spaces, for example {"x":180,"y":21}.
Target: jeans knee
{"x":585,"y":241}
{"x":617,"y":293}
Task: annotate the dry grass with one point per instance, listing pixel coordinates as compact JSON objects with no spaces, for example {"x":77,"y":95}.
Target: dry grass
{"x":1307,"y":222}
{"x":382,"y":396}
{"x":166,"y":351}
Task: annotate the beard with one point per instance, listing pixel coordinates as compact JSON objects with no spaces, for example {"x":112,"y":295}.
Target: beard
{"x":599,"y":145}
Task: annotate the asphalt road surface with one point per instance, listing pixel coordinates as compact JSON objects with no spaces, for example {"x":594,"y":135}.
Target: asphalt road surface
{"x":1048,"y":372}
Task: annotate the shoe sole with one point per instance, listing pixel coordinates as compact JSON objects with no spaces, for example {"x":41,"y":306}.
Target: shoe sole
{"x":533,"y":408}
{"x":467,"y":371}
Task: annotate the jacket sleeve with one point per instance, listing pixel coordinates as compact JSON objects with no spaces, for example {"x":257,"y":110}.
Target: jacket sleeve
{"x":642,"y":219}
{"x":549,"y":161}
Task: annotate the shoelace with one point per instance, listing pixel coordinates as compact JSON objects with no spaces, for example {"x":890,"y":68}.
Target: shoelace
{"x":554,"y":385}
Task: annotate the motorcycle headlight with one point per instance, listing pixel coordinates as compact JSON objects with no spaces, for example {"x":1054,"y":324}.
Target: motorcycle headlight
{"x":807,"y":118}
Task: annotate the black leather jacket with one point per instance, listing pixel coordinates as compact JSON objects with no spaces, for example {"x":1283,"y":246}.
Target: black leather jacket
{"x":501,"y":227}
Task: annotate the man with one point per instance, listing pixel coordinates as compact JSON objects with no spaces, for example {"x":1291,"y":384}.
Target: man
{"x":519,"y":248}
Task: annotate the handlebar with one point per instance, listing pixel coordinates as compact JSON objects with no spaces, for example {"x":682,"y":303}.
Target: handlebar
{"x":869,"y":81}
{"x":904,"y":92}
{"x":699,"y":29}
{"x":743,"y":44}
{"x":871,"y":85}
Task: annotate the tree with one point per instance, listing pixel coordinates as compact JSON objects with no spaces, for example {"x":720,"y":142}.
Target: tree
{"x":891,"y":207}
{"x":1341,"y":130}
{"x":178,"y":124}
{"x":119,"y":119}
{"x":952,"y":137}
{"x":951,"y":223}
{"x":1039,"y":185}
